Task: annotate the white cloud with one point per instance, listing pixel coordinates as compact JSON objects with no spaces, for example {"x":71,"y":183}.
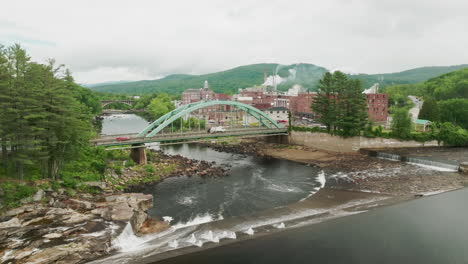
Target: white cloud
{"x":110,"y":40}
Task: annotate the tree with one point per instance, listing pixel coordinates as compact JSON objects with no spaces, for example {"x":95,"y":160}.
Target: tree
{"x":324,"y":104}
{"x":429,"y":110}
{"x":401,"y":123}
{"x":452,"y":135}
{"x":43,"y":121}
{"x":160,"y":105}
{"x":340,"y":104}
{"x":352,"y":109}
{"x":454,"y":111}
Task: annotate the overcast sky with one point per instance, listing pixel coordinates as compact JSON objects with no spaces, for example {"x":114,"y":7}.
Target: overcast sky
{"x":110,"y":40}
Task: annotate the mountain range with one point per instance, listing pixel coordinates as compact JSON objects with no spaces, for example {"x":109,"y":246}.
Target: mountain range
{"x":230,"y":80}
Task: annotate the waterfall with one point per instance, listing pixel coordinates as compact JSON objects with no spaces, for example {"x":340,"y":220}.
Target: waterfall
{"x":433,"y":164}
{"x":420,"y":162}
{"x":388,"y":156}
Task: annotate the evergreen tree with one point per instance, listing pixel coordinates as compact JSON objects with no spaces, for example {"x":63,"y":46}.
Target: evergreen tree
{"x":353,"y":109}
{"x":429,"y":110}
{"x":42,"y":122}
{"x":324,"y":104}
{"x":340,"y":104}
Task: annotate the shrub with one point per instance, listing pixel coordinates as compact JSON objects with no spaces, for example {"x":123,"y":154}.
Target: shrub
{"x":14,"y":192}
{"x":149,"y":168}
{"x":129,"y":163}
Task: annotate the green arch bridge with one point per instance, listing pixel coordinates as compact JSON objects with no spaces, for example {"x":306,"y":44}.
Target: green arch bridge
{"x":155,"y":131}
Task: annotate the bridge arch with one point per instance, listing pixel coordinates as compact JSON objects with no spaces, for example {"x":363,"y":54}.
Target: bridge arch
{"x":170,"y":117}
{"x":104,"y":103}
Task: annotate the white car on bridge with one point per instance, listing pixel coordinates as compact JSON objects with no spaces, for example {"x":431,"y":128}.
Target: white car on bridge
{"x":217,"y":129}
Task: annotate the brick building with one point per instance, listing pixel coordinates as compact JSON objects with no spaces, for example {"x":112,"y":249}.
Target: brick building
{"x":300,"y":105}
{"x":377,"y":107}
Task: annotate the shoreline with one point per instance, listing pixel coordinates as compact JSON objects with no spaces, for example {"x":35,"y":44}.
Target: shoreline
{"x":358,"y":179}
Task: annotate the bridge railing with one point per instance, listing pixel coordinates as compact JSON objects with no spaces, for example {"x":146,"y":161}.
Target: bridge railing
{"x":167,"y":136}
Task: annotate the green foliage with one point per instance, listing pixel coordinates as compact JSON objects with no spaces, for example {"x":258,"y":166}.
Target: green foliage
{"x":45,"y":118}
{"x":454,"y":111}
{"x":13,"y":192}
{"x":309,"y":129}
{"x":449,"y":90}
{"x":89,"y":165}
{"x":429,"y":110}
{"x":149,"y":168}
{"x":401,"y":124}
{"x":406,"y":77}
{"x":452,"y":135}
{"x":129,"y":163}
{"x":340,"y":104}
{"x":160,"y":105}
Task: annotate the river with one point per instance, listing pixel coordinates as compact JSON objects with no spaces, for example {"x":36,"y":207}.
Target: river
{"x":265,"y":206}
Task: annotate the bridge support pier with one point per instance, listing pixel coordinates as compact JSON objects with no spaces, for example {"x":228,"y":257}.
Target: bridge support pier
{"x":138,"y":154}
{"x":278,"y":139}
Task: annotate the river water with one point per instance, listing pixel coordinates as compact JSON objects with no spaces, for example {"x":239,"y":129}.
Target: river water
{"x":263,"y":196}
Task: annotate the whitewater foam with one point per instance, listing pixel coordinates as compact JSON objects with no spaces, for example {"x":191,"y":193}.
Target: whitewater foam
{"x":167,"y":219}
{"x":199,"y":219}
{"x":280,"y":225}
{"x":249,"y":231}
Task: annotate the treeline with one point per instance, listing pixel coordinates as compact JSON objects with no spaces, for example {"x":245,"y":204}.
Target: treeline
{"x":45,"y":117}
{"x":340,"y":104}
{"x":445,"y":97}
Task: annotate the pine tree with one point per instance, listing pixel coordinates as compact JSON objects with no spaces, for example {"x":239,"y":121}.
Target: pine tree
{"x":340,"y":104}
{"x":324,"y":104}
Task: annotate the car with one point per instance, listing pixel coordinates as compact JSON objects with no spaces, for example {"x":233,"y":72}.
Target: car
{"x":282,"y":121}
{"x":122,"y":138}
{"x":218,"y":129}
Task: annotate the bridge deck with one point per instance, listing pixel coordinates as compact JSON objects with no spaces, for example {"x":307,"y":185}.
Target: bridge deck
{"x":112,"y":141}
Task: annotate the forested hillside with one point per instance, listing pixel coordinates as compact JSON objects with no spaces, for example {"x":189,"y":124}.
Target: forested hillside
{"x":406,"y":77}
{"x":250,"y":75}
{"x":445,"y":97}
{"x":222,"y":82}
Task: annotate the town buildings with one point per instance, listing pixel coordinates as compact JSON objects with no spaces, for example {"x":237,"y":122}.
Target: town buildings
{"x":297,"y":100}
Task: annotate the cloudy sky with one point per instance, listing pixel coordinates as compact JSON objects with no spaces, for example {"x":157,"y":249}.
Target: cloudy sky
{"x":110,"y":40}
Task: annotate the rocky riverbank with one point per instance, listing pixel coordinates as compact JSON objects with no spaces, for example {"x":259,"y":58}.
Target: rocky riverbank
{"x":70,"y":229}
{"x":354,"y":171}
{"x":71,"y":226}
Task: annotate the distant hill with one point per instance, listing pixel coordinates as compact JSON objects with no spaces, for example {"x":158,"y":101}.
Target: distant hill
{"x":250,"y":75}
{"x":412,"y":76}
{"x":221,"y":82}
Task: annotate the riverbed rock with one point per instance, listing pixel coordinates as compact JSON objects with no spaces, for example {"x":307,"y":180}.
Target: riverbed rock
{"x":137,"y":220}
{"x":80,"y":204}
{"x":13,"y":222}
{"x":97,"y":184}
{"x":153,"y":226}
{"x":39,"y":195}
{"x":121,"y":212}
{"x":52,"y":235}
{"x":137,"y":201}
